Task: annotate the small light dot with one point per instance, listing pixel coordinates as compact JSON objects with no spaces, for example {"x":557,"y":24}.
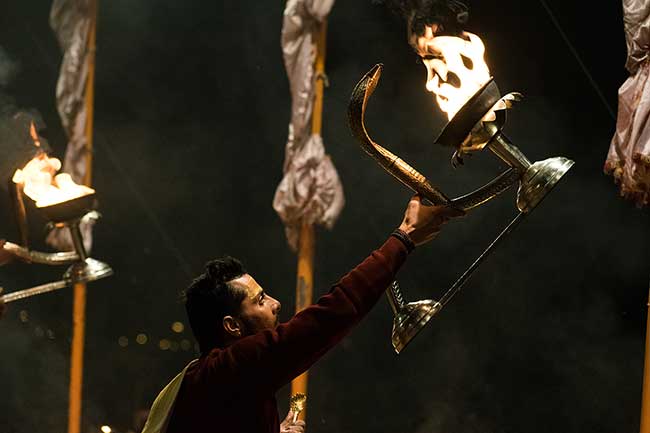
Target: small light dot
{"x":186,"y":345}
{"x":174,"y":346}
{"x":106,"y":429}
{"x":141,"y":339}
{"x":164,"y":344}
{"x":24,"y":316}
{"x":50,"y":334}
{"x":123,"y":341}
{"x":39,"y":331}
{"x":178,"y":327}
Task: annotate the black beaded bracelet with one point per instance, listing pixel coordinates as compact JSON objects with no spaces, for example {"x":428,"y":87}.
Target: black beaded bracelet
{"x":405,"y":238}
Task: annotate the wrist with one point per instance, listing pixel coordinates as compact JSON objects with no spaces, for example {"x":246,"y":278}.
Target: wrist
{"x":404,"y":236}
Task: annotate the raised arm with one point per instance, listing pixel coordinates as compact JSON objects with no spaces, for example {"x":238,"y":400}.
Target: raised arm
{"x":273,"y":357}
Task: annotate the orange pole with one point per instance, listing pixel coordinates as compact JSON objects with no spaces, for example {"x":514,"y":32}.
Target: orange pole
{"x":645,"y":395}
{"x":79,"y":306}
{"x":90,"y":92}
{"x":317,"y":114}
{"x":304,"y":290}
{"x":76,"y":365}
{"x":305,"y":278}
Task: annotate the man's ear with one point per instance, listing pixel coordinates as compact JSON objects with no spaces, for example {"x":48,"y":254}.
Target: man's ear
{"x":232,"y":326}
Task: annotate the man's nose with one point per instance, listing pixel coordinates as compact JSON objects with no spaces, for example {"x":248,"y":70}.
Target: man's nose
{"x":277,"y":307}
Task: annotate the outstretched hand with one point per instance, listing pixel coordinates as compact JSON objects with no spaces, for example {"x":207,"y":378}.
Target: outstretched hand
{"x":422,"y":223}
{"x":288,"y":426}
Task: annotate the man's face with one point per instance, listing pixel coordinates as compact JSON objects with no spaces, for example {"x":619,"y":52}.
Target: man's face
{"x":258,"y":310}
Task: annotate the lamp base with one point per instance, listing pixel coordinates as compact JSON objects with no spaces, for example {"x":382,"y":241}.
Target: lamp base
{"x":410,"y":319}
{"x":87,"y":270}
{"x":539,"y":179}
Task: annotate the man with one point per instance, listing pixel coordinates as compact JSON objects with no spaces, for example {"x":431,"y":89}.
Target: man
{"x":246,"y":355}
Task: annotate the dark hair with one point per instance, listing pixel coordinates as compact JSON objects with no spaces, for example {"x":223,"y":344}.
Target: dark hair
{"x":210,"y":298}
{"x":450,"y":15}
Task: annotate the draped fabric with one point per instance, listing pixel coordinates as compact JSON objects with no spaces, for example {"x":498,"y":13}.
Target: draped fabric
{"x":71,"y":20}
{"x":310,"y":190}
{"x":163,"y":405}
{"x":628,"y":160}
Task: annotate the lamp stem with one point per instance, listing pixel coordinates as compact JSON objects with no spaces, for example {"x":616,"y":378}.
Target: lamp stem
{"x":508,"y":152}
{"x":395,"y":297}
{"x":77,"y":240}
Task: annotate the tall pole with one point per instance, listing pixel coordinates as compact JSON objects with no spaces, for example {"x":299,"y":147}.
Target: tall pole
{"x":79,"y":306}
{"x":306,"y":244}
{"x":645,"y":395}
{"x":319,"y":70}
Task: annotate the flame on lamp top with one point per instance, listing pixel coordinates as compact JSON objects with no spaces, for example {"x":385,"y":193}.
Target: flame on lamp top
{"x":41,"y":183}
{"x":456,"y":67}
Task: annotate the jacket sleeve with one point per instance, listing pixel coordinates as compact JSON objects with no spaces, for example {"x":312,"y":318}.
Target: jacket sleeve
{"x":274,"y":357}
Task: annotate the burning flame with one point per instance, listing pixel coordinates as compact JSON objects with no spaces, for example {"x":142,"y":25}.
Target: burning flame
{"x":34,"y":134}
{"x":41,"y":183}
{"x":456,"y":67}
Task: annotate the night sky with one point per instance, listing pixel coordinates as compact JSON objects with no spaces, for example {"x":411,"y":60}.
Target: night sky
{"x":192,"y":107}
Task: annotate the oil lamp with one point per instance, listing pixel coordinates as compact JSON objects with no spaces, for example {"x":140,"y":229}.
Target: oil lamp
{"x":64,"y":203}
{"x":458,"y":76}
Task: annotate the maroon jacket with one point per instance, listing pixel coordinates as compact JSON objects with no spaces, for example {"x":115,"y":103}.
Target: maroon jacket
{"x":232,"y":389}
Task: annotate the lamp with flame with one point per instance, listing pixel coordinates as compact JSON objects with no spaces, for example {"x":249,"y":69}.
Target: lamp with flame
{"x":65,"y":204}
{"x":41,"y":183}
{"x":458,"y":76}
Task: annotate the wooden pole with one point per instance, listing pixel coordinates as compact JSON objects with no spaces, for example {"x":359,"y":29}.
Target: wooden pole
{"x":90,"y":92}
{"x":76,"y":364}
{"x":79,"y":306}
{"x":319,"y":69}
{"x":645,"y":395}
{"x":305,"y":278}
{"x":304,"y":290}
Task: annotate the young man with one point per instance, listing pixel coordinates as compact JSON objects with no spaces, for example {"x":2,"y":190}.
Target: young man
{"x":246,"y":355}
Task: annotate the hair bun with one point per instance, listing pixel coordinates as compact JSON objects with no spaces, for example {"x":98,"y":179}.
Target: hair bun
{"x":224,"y":269}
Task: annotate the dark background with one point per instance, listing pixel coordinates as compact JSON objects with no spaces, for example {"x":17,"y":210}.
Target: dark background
{"x":192,"y":106}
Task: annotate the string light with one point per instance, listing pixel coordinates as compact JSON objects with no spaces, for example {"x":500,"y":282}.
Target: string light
{"x":164,"y":344}
{"x":178,"y":327}
{"x":123,"y":341}
{"x":39,"y":331}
